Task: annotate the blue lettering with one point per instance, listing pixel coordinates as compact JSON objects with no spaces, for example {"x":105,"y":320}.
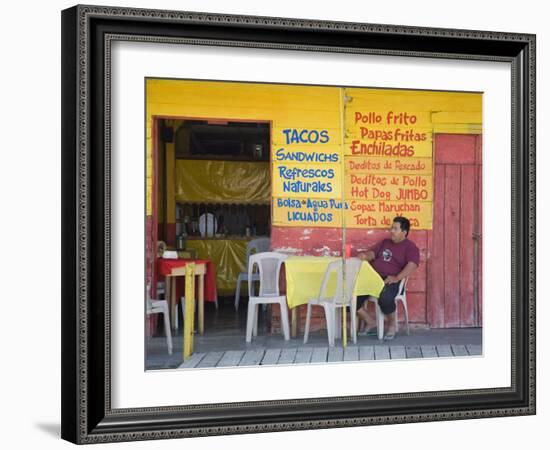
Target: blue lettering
{"x":296,"y":172}
{"x":295,"y":216}
{"x":293,"y":136}
{"x":316,"y":136}
{"x":286,"y":133}
{"x":322,"y":157}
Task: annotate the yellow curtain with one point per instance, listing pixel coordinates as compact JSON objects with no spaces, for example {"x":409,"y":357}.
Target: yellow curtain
{"x":207,"y":181}
{"x":228,"y":256}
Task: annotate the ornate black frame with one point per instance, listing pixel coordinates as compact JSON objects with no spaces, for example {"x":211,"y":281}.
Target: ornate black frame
{"x":87,"y":31}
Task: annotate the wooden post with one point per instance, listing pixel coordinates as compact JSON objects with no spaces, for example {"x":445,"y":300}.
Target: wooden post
{"x":170,"y":205}
{"x":189,"y":319}
{"x":344,"y":329}
{"x":171,"y":281}
{"x":201,"y":303}
{"x":293,"y":321}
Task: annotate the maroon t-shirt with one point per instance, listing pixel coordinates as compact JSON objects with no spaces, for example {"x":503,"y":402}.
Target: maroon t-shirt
{"x":390,"y":258}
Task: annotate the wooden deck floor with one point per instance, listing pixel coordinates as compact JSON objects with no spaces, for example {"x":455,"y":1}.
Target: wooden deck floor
{"x":309,"y":355}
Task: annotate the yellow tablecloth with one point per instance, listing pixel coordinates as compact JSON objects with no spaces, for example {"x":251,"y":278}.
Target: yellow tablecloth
{"x":304,"y":275}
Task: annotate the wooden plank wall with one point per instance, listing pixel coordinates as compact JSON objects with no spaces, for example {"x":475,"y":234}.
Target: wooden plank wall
{"x":457,"y":217}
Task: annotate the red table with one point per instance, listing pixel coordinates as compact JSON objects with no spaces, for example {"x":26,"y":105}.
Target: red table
{"x":171,"y":269}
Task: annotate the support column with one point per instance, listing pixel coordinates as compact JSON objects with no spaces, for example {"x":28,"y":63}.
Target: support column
{"x":170,"y":200}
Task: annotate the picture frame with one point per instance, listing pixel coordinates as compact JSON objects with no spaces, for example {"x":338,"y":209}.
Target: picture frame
{"x":87,"y":413}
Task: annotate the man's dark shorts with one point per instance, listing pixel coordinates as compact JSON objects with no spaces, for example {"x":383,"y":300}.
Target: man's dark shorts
{"x":386,"y":301}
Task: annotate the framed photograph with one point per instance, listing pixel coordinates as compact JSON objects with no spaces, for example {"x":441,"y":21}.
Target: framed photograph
{"x":278,"y":224}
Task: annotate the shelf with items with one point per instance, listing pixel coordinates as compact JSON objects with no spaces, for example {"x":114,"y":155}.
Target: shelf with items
{"x":226,"y":248}
{"x":222,"y":220}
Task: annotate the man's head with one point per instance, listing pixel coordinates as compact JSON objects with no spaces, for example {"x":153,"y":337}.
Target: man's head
{"x":400,"y":228}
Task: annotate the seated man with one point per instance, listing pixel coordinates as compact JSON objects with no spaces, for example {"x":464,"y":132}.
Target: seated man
{"x":393,"y":259}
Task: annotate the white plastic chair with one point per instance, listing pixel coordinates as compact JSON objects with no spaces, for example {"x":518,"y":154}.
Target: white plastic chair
{"x":160,"y":307}
{"x":337,"y":300}
{"x":400,"y":297}
{"x":269,"y":267}
{"x":254,"y":246}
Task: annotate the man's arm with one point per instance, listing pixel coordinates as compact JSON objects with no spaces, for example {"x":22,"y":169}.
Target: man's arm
{"x":367,"y":256}
{"x":407,"y":270}
{"x":370,"y":254}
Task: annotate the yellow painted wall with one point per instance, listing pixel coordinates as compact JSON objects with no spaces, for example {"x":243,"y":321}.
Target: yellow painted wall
{"x":318,"y":108}
{"x":284,"y":105}
{"x":377,"y":186}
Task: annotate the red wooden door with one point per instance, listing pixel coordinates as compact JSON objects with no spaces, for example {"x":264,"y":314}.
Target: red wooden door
{"x":454,"y":272}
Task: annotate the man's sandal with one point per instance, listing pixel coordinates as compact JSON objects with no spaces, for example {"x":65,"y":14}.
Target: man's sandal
{"x":372,"y":332}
